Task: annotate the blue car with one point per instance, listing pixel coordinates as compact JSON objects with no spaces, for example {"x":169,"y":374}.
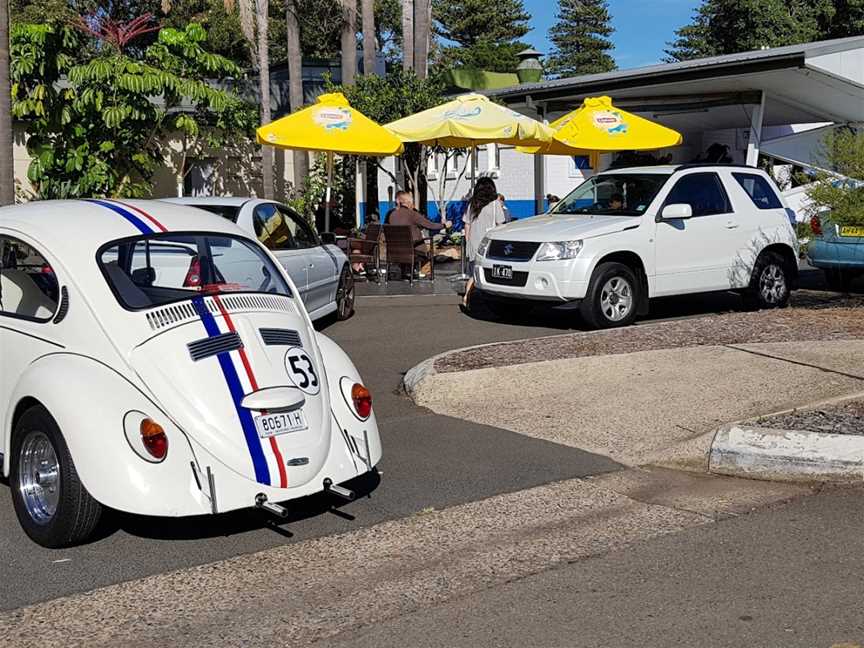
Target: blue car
{"x":838,"y":250}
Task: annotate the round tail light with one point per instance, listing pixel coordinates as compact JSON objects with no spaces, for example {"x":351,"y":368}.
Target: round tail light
{"x":362,"y":399}
{"x":154,"y":439}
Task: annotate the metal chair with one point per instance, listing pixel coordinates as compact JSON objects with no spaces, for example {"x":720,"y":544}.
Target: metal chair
{"x":367,"y":250}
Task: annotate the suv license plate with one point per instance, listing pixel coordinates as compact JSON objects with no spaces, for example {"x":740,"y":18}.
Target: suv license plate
{"x":281,"y":423}
{"x":502,"y":272}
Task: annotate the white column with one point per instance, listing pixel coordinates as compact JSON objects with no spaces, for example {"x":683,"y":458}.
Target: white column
{"x":755,"y":139}
{"x":359,"y":190}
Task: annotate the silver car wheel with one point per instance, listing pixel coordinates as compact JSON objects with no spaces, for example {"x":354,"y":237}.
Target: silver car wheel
{"x":772,"y":284}
{"x":616,"y":299}
{"x":39,"y":477}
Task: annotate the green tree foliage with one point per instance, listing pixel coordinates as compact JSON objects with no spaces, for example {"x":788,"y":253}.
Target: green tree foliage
{"x":97,"y":126}
{"x":847,"y":19}
{"x":729,"y":26}
{"x":580,"y":39}
{"x":486,"y":34}
{"x":841,"y":192}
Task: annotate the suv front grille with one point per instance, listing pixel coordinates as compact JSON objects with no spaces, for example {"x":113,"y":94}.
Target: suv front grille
{"x":512,"y":250}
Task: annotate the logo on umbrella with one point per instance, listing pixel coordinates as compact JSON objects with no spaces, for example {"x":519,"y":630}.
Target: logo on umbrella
{"x":610,"y":121}
{"x":331,"y":118}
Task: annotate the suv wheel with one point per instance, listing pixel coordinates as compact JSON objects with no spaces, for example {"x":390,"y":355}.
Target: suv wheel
{"x":769,"y":283}
{"x":51,"y":503}
{"x":612,"y":297}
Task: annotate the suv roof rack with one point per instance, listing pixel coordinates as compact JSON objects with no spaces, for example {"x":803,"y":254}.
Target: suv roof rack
{"x":699,"y":165}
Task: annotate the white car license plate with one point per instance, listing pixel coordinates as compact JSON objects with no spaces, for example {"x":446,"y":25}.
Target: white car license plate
{"x":281,"y":423}
{"x":502,"y":272}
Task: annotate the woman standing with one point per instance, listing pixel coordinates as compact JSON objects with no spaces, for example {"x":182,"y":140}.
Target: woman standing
{"x":485,"y":211}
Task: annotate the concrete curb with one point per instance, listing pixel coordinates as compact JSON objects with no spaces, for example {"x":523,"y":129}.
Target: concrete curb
{"x":786,"y":455}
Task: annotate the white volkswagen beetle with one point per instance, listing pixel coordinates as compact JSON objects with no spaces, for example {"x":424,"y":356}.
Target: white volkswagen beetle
{"x":158,"y":361}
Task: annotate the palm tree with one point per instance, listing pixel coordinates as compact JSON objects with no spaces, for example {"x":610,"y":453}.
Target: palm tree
{"x":422,"y":26}
{"x":295,"y":84}
{"x":7,"y":166}
{"x":369,"y":41}
{"x":262,"y":8}
{"x":407,"y":35}
{"x":349,"y":41}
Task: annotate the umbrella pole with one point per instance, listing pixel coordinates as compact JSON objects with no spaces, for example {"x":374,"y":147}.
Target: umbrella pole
{"x":327,"y":194}
{"x":463,"y":262}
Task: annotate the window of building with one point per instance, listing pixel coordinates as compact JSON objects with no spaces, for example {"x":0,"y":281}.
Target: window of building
{"x":28,"y":285}
{"x":704,"y":193}
{"x":759,"y":189}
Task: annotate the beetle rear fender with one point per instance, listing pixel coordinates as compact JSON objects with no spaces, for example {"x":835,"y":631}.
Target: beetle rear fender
{"x":340,"y":366}
{"x":89,"y":401}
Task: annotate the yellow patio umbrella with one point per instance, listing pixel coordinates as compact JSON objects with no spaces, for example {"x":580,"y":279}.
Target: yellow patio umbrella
{"x":597,"y":127}
{"x":467,"y":122}
{"x":331,"y":126}
{"x":470,"y":120}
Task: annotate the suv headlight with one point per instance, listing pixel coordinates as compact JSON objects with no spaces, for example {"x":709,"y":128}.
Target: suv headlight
{"x":559,"y":250}
{"x":483,"y":248}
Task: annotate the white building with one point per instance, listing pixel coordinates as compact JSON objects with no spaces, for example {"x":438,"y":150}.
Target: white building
{"x":777,"y":102}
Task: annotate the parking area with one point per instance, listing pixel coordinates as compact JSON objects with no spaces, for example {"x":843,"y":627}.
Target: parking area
{"x":430,"y":461}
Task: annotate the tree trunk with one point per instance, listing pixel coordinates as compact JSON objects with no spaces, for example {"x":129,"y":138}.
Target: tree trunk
{"x":262,"y":7}
{"x":7,"y":165}
{"x":370,"y":42}
{"x":422,"y":20}
{"x":407,"y":35}
{"x":295,"y":86}
{"x":349,"y":41}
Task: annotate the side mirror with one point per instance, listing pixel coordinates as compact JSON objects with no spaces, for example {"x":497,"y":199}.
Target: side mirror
{"x":676,"y":211}
{"x":328,"y":238}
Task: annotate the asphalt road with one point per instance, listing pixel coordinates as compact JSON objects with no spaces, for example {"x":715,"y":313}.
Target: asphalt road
{"x":785,"y":577}
{"x":429,"y":460}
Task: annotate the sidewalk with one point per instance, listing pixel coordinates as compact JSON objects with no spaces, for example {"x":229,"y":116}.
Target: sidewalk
{"x":656,"y":393}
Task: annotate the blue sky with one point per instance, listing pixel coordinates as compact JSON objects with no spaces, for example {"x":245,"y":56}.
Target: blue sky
{"x":642,"y":27}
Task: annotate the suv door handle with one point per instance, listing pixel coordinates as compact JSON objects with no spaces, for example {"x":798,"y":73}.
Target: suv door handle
{"x":730,"y":224}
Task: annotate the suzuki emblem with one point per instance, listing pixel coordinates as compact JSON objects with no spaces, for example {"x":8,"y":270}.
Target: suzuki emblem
{"x":508,"y":249}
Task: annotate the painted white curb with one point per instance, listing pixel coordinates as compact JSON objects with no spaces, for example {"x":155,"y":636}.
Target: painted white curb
{"x":786,"y":455}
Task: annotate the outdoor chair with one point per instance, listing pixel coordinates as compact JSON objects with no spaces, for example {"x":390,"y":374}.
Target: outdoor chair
{"x":400,"y":248}
{"x":367,"y":250}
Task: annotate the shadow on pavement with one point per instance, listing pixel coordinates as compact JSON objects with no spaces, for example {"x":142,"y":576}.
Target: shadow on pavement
{"x":227,"y":524}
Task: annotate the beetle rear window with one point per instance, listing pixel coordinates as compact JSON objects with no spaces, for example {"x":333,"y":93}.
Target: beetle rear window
{"x":148,"y":271}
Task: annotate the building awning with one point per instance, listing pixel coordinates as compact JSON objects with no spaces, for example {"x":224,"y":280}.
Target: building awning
{"x":812,"y":82}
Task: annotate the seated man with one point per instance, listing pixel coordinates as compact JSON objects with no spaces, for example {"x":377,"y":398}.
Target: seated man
{"x":405,"y":214}
{"x":616,"y":201}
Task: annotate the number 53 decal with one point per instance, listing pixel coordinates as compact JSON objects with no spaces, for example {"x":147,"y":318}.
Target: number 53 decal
{"x":301,"y":371}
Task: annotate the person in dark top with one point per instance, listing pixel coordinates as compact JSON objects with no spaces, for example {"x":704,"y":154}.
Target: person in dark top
{"x":405,"y":214}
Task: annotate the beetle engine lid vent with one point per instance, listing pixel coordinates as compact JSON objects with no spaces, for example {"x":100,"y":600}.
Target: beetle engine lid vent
{"x":184,"y":311}
{"x":280,"y":337}
{"x":211,"y":346}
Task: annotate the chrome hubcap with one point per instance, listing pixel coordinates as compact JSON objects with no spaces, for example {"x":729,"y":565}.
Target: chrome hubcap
{"x":39,"y":477}
{"x":772,"y":284}
{"x":616,"y":299}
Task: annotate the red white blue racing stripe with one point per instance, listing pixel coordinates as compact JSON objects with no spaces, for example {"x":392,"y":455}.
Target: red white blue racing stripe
{"x":241,"y":380}
{"x":145,"y":223}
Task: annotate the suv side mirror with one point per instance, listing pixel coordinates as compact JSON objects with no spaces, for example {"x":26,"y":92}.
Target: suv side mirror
{"x":328,"y":238}
{"x":676,"y":211}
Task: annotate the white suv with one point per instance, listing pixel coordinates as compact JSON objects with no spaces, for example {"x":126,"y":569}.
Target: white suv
{"x":625,"y":236}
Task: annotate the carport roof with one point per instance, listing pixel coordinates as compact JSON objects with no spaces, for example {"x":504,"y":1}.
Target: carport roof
{"x":811,"y":82}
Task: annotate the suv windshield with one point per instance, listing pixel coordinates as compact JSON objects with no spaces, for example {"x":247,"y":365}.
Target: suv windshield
{"x":147,"y":271}
{"x":616,"y":194}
